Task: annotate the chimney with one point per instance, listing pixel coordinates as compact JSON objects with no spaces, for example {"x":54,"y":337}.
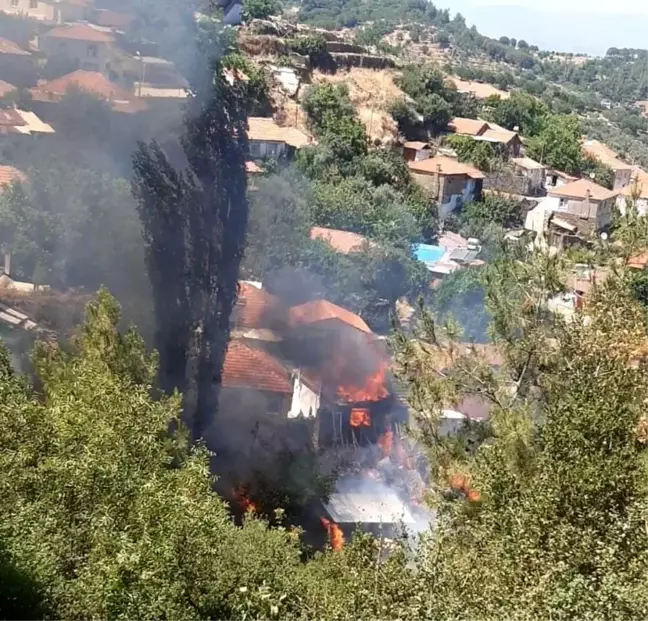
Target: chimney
{"x":7,"y":263}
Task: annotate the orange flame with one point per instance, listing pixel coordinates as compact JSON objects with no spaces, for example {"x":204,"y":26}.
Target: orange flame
{"x":360,"y":418}
{"x":244,"y":500}
{"x":335,"y":534}
{"x":373,"y":390}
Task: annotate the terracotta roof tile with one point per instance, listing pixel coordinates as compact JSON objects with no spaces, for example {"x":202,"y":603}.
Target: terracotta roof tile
{"x":80,"y":32}
{"x":467,"y":127}
{"x":604,"y":154}
{"x":639,"y":261}
{"x":580,"y":189}
{"x":342,"y":241}
{"x":445,"y":166}
{"x":89,"y":81}
{"x":10,"y":48}
{"x":256,"y":308}
{"x":639,"y":186}
{"x":323,"y":310}
{"x":9,"y":175}
{"x":249,"y":367}
{"x":265,"y":129}
{"x":5,"y":88}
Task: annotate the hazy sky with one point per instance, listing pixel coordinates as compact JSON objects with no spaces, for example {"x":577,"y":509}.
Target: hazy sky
{"x":590,"y":26}
{"x":600,"y":6}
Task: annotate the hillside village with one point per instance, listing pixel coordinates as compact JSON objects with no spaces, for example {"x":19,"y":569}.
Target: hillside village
{"x":435,"y":221}
{"x":455,"y":161}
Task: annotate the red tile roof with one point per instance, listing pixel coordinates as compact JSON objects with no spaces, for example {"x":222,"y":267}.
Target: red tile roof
{"x":10,"y":48}
{"x":256,"y":308}
{"x":342,"y":241}
{"x":639,"y":261}
{"x":80,"y":32}
{"x":9,"y":175}
{"x":583,"y":188}
{"x":89,"y":81}
{"x":467,"y":127}
{"x":5,"y":88}
{"x":445,"y":166}
{"x":323,"y":310}
{"x":249,"y":367}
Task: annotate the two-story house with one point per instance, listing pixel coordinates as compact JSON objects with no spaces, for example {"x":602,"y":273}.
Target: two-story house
{"x":42,"y":10}
{"x":82,"y":44}
{"x":449,"y":182}
{"x":572,"y":213}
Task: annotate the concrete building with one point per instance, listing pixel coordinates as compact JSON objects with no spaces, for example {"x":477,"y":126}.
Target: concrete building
{"x":572,"y":214}
{"x":82,"y":44}
{"x":449,"y":182}
{"x":601,"y":152}
{"x":533,"y":173}
{"x":636,"y":192}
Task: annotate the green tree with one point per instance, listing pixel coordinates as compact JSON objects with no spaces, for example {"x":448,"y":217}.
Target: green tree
{"x":194,"y":224}
{"x":599,"y":172}
{"x":333,"y":118}
{"x":493,"y":209}
{"x":520,"y":110}
{"x":260,"y":9}
{"x":558,"y":144}
{"x":480,"y":154}
{"x":554,"y":522}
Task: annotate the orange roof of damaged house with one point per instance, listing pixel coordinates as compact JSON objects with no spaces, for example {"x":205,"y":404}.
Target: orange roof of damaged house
{"x":80,"y":32}
{"x":447,"y":166}
{"x":318,"y":311}
{"x":250,"y":367}
{"x":342,"y":241}
{"x":256,"y":308}
{"x":91,"y":82}
{"x":583,"y":189}
{"x":604,"y":154}
{"x":11,"y":49}
{"x":267,"y":130}
{"x":9,"y":175}
{"x":467,"y":127}
{"x":253,"y":168}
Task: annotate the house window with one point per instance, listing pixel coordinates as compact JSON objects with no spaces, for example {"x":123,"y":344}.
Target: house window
{"x":33,"y":4}
{"x":273,"y":149}
{"x":14,"y":3}
{"x":255,"y":148}
{"x":93,"y":51}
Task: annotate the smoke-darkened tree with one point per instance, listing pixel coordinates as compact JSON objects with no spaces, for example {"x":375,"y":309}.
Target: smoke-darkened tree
{"x":194,"y":224}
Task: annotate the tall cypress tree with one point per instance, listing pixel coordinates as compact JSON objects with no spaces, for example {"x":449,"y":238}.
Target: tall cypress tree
{"x":194,"y":223}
